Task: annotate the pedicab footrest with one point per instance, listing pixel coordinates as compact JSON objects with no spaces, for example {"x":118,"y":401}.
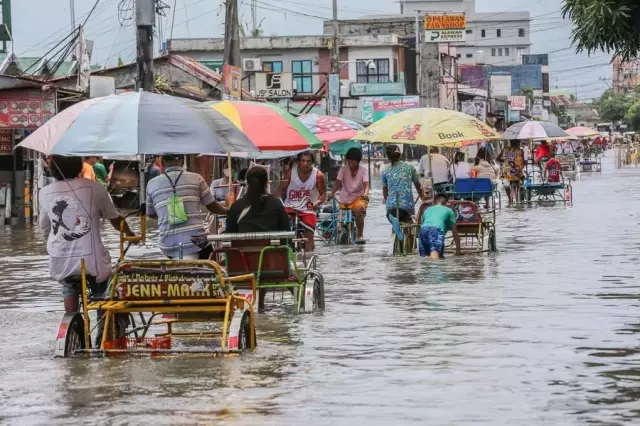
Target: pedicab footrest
{"x":140,"y":344}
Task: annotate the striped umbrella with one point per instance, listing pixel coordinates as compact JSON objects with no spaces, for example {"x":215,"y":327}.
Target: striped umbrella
{"x":267,"y":126}
{"x":535,"y":130}
{"x":137,"y":123}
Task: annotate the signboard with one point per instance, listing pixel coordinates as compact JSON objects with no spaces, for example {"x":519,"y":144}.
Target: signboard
{"x":542,"y":59}
{"x":477,"y":109}
{"x":500,"y":86}
{"x":444,"y":36}
{"x":168,"y":285}
{"x":215,"y":66}
{"x":517,"y":103}
{"x":445,"y":22}
{"x":274,"y":85}
{"x":6,"y":141}
{"x":333,"y":107}
{"x":441,"y":28}
{"x":546,"y":103}
{"x":537,"y":110}
{"x":26,"y":109}
{"x":232,"y":77}
{"x":514,"y":115}
{"x":378,"y":107}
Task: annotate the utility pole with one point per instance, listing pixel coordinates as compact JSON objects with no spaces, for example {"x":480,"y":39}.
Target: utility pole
{"x":72,"y":11}
{"x":333,"y":79}
{"x":335,"y":48}
{"x":231,"y":34}
{"x":145,"y":21}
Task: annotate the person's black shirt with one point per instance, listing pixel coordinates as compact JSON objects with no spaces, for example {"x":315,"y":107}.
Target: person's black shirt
{"x":273,"y":217}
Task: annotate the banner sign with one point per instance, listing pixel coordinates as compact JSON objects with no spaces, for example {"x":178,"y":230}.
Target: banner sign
{"x":477,"y":109}
{"x":441,"y":28}
{"x":6,"y":141}
{"x":274,"y":85}
{"x":233,"y":82}
{"x":26,"y":109}
{"x":518,"y":103}
{"x":378,"y":107}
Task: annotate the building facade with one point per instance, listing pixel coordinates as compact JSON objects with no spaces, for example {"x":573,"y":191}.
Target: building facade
{"x":626,"y":75}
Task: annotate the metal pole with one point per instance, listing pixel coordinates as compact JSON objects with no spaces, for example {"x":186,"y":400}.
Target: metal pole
{"x":418,"y":63}
{"x":335,"y":61}
{"x":72,"y":11}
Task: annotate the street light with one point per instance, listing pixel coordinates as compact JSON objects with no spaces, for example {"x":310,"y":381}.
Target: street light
{"x":370,"y":64}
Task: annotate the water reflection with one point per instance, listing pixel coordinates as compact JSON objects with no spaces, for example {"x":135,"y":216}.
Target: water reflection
{"x":544,"y":332}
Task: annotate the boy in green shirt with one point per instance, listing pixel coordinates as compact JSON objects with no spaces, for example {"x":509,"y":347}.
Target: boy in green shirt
{"x":437,"y":220}
{"x":100,"y":171}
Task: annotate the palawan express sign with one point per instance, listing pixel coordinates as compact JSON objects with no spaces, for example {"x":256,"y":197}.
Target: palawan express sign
{"x":440,"y":28}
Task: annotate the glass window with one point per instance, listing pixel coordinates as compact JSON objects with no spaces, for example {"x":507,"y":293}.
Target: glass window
{"x":469,"y":55}
{"x":458,"y":56}
{"x":521,"y":32}
{"x":500,"y":51}
{"x":506,"y":51}
{"x":498,"y":33}
{"x":368,"y":74}
{"x":482,"y":33}
{"x":493,"y":51}
{"x":303,"y":76}
{"x":272,"y":66}
{"x":469,"y":31}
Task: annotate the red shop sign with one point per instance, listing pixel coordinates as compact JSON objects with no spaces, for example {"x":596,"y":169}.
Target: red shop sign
{"x":6,"y":142}
{"x":26,"y":109}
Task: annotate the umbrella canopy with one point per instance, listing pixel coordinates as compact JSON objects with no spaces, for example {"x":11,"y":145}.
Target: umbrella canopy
{"x":583,"y":132}
{"x":137,"y":123}
{"x":267,"y":126}
{"x":330,"y":129}
{"x":428,"y":126}
{"x":534,"y":130}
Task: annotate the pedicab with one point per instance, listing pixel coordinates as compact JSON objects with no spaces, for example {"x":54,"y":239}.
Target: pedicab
{"x":428,"y":127}
{"x":201,"y":311}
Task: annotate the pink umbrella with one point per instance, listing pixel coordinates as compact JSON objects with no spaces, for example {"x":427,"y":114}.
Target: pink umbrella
{"x":330,"y":129}
{"x":582,"y":132}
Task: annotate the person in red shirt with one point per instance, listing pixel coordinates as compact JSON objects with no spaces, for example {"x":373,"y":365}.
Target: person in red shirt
{"x":552,"y":170}
{"x":542,"y":152}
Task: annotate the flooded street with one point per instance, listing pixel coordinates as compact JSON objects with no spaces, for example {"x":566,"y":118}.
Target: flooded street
{"x":545,"y":332}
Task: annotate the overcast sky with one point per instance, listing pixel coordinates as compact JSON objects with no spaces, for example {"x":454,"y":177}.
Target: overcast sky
{"x":39,"y":24}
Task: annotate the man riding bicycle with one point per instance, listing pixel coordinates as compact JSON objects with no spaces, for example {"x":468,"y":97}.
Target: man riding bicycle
{"x":353,"y":184}
{"x":305,"y":188}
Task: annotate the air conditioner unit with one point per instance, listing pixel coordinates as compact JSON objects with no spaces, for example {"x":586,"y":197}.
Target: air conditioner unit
{"x":251,"y":64}
{"x":345,"y":88}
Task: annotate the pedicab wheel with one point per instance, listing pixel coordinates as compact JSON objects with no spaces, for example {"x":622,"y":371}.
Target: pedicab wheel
{"x":318,"y":292}
{"x":70,"y":335}
{"x":244,"y":337}
{"x":343,"y":238}
{"x":492,"y":241}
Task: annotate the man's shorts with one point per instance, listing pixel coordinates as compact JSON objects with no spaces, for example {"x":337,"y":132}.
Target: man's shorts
{"x":359,"y":203}
{"x":431,"y":239}
{"x":72,"y":286}
{"x":405,"y":216}
{"x":308,"y":220}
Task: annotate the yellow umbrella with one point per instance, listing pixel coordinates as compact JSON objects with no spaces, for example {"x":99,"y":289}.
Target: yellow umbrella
{"x":429,"y":127}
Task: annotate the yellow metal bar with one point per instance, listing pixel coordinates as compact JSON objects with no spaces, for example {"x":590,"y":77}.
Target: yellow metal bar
{"x":85,"y":302}
{"x":105,"y":331}
{"x":170,"y":309}
{"x":225,"y":324}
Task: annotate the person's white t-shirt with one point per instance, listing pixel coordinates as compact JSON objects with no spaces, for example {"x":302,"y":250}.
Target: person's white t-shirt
{"x":527,"y":153}
{"x":440,"y":164}
{"x":462,"y":170}
{"x":70,"y":211}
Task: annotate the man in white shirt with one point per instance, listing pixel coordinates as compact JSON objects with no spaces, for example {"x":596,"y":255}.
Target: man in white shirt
{"x":439,"y":167}
{"x":70,"y":213}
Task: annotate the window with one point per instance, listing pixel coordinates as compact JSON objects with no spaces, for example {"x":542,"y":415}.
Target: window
{"x":483,"y":33}
{"x":469,"y":31}
{"x":521,"y":32}
{"x":506,"y":51}
{"x":366,"y":74}
{"x":274,"y":66}
{"x":458,"y":56}
{"x":498,"y":33}
{"x":493,"y":51}
{"x":469,"y":55}
{"x":303,"y":76}
{"x":500,"y":51}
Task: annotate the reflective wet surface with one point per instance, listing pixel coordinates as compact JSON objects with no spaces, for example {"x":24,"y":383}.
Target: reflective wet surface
{"x":545,"y":332}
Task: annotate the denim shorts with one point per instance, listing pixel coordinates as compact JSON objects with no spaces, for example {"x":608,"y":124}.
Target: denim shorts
{"x":431,"y":239}
{"x":72,"y":286}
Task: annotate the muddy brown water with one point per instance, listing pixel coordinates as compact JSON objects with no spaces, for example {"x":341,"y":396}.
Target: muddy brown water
{"x":545,"y":332}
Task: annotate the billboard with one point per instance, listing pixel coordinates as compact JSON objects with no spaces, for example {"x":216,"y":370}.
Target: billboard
{"x":477,"y":109}
{"x":275,"y":85}
{"x":542,"y":59}
{"x":378,"y":107}
{"x":445,"y":28}
{"x":517,"y":103}
{"x":233,"y":82}
{"x":26,"y":109}
{"x":500,"y":86}
{"x":6,"y":141}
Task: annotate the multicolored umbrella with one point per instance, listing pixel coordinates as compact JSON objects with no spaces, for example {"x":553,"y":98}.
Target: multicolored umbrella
{"x":535,"y":130}
{"x":137,"y":123}
{"x":330,"y":129}
{"x":583,"y":132}
{"x":428,"y":126}
{"x":267,"y":126}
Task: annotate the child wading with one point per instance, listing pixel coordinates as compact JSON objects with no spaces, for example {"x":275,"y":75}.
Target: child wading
{"x":437,"y":220}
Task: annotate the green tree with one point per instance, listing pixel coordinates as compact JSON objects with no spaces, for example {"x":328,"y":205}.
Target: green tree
{"x":608,"y":25}
{"x":614,"y":108}
{"x":245,"y":31}
{"x":632,"y":117}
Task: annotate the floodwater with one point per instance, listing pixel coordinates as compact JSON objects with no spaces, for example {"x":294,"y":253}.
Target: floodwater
{"x":545,"y":332}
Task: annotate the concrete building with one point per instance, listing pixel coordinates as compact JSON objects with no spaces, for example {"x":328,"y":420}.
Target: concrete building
{"x":626,"y":75}
{"x":308,"y":59}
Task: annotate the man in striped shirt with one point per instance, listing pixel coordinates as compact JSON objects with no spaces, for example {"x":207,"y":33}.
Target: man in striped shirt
{"x":194,"y":192}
